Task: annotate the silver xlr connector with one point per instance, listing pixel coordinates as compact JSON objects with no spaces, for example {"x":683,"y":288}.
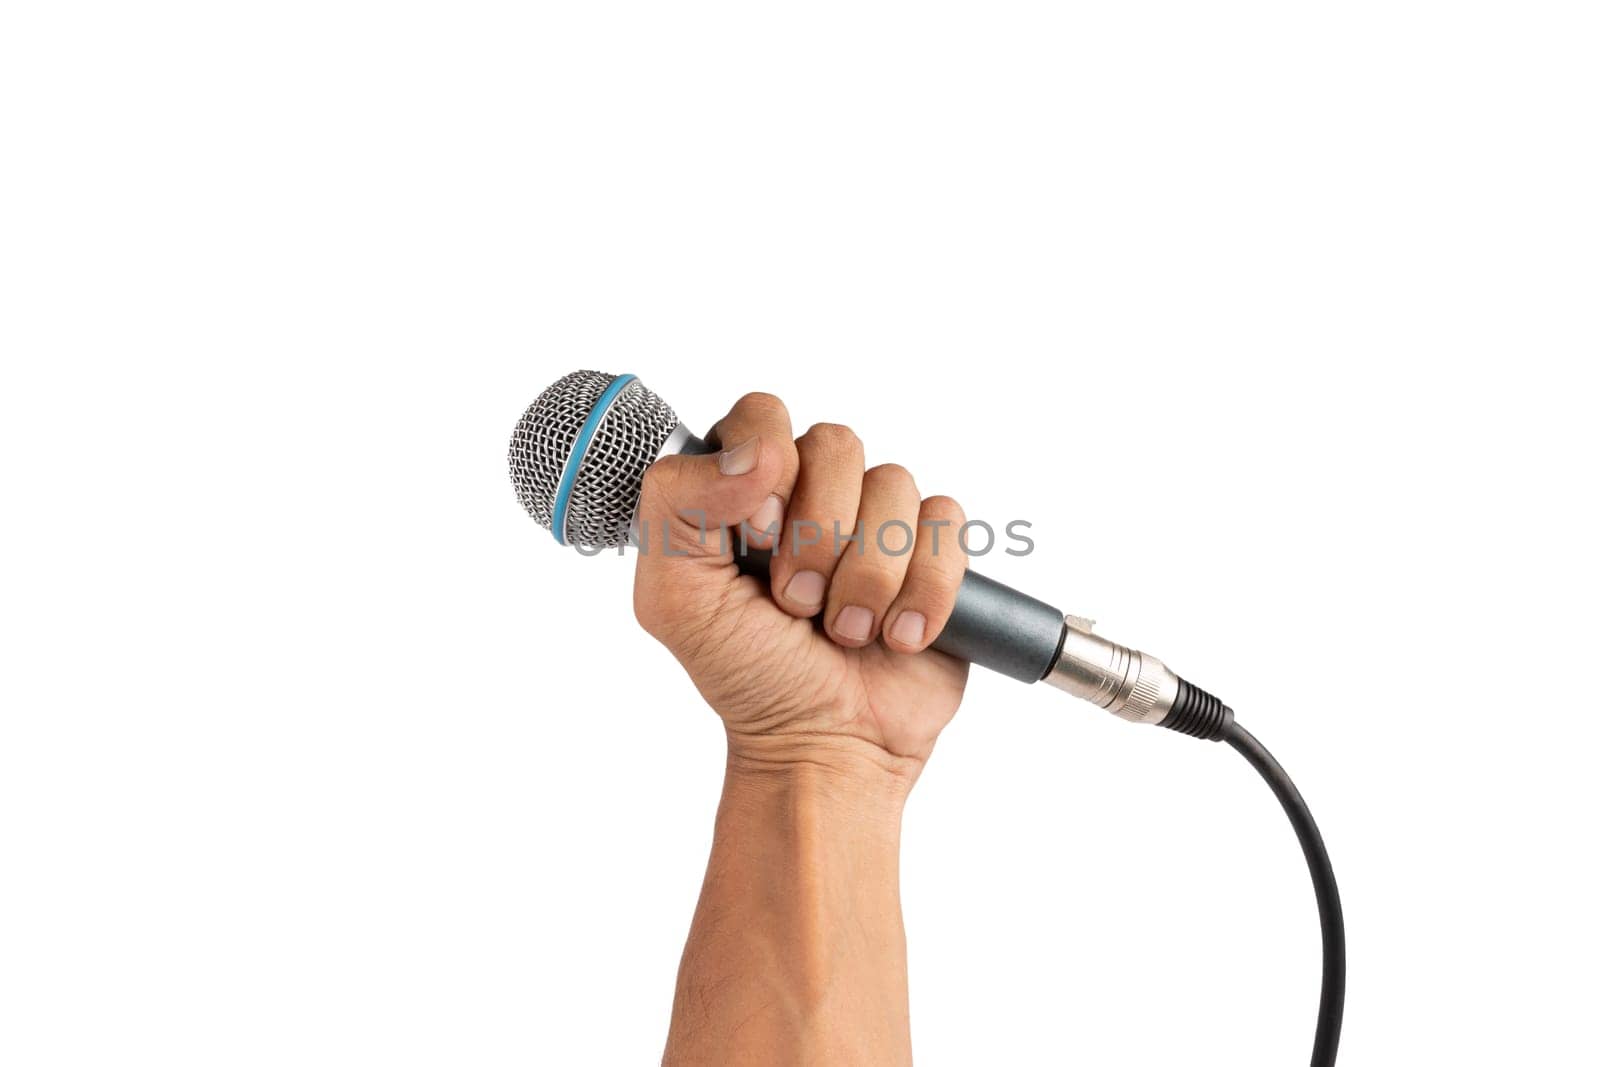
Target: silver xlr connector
{"x":1130,"y":684}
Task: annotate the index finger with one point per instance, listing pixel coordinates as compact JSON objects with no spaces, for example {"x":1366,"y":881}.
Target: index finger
{"x":764,"y":416}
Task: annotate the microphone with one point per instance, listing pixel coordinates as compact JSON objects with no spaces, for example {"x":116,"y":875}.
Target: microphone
{"x":578,"y":457}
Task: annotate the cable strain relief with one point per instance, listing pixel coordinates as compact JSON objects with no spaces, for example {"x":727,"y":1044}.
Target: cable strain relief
{"x":1198,"y":714}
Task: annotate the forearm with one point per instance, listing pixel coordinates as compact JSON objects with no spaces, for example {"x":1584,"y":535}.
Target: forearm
{"x":797,"y":949}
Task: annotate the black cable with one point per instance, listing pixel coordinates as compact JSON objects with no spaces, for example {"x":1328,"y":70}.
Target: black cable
{"x":1199,"y":714}
{"x":1330,"y":1011}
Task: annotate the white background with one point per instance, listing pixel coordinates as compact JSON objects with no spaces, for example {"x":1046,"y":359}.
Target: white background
{"x":1278,"y":321}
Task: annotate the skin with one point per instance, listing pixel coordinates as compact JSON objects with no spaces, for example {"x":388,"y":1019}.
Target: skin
{"x":831,"y":703}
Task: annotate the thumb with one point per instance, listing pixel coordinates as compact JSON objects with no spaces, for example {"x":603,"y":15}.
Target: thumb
{"x":692,"y":506}
{"x":690,"y":510}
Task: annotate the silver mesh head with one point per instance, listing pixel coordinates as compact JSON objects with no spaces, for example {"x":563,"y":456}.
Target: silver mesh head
{"x":605,"y":491}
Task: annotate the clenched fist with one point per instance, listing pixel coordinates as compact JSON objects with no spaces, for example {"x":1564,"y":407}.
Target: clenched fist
{"x":827,"y":661}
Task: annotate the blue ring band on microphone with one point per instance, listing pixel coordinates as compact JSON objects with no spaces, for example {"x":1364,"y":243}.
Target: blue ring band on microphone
{"x":569,"y":472}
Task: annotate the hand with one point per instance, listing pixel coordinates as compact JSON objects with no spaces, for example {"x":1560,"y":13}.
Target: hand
{"x":786,"y":688}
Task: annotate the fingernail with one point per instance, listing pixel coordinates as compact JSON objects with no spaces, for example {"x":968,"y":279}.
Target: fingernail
{"x":853,"y":624}
{"x":741,"y":459}
{"x":765,"y":522}
{"x":805,"y":589}
{"x":909,"y":628}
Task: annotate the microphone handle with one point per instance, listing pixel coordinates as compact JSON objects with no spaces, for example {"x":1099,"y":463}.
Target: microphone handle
{"x":992,"y":625}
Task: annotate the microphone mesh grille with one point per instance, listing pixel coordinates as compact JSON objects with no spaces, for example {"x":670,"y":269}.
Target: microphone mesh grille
{"x":605,"y":493}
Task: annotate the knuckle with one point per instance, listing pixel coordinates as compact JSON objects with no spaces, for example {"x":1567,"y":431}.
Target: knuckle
{"x":937,"y":612}
{"x":656,"y":484}
{"x":833,"y":438}
{"x":939,"y":537}
{"x":944,"y":508}
{"x":871,"y":582}
{"x":819,"y":558}
{"x":932,"y":588}
{"x":761,"y":404}
{"x":890,"y":475}
{"x":657,"y":473}
{"x":807,"y":540}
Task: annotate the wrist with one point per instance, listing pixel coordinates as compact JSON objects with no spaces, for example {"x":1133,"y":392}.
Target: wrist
{"x":858,"y":774}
